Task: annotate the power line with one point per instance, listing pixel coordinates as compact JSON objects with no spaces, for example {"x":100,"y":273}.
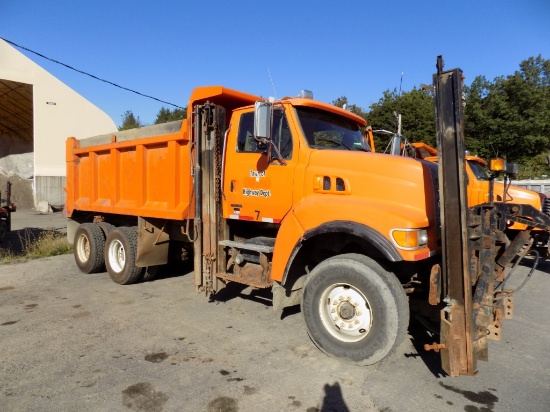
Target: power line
{"x":88,"y":74}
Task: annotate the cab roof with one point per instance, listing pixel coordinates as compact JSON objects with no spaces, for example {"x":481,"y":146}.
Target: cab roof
{"x":233,"y":99}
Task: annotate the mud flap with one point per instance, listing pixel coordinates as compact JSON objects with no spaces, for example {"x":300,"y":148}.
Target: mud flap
{"x":153,"y":242}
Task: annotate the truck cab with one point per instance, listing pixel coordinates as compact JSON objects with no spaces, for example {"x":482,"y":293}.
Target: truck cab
{"x":314,"y":174}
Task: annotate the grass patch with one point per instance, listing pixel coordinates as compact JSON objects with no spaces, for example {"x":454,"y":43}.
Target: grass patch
{"x":46,"y":243}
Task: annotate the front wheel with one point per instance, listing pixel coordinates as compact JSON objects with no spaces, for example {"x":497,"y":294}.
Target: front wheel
{"x":120,"y":256}
{"x":354,"y":309}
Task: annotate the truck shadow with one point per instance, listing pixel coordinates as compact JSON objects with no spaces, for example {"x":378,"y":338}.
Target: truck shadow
{"x":421,"y":334}
{"x":543,"y":264}
{"x":174,"y":269}
{"x":237,"y":290}
{"x":262,"y":296}
{"x":19,"y":242}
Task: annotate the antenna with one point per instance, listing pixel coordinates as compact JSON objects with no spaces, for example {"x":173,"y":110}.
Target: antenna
{"x":272,"y":84}
{"x":400,"y":83}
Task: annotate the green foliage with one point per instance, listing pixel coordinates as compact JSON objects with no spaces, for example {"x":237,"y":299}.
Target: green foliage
{"x":510,"y":117}
{"x":417,"y":116}
{"x":166,"y":115}
{"x":129,"y":121}
{"x":534,"y":168}
{"x":342,"y":101}
{"x":507,"y":117}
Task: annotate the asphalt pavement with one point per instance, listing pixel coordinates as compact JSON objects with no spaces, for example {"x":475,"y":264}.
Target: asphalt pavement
{"x":30,"y":218}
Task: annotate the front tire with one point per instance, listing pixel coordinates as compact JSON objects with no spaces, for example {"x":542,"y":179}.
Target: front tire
{"x":354,"y":309}
{"x":89,"y":243}
{"x":120,"y":256}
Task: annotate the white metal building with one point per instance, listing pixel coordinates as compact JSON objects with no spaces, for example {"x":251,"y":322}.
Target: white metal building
{"x":37,"y":114}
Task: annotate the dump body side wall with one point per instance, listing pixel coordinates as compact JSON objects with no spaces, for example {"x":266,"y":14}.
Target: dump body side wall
{"x":148,"y":177}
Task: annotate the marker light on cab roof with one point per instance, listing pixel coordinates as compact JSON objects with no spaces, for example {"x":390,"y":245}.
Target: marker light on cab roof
{"x":306,"y":94}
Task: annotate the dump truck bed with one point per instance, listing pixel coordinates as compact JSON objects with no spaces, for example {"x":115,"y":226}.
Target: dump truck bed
{"x":140,"y":172}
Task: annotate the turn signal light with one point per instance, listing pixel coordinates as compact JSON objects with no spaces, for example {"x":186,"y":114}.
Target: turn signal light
{"x":410,"y":238}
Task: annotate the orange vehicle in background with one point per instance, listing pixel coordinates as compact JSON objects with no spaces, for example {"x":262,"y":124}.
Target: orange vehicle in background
{"x":478,"y":181}
{"x":478,"y":191}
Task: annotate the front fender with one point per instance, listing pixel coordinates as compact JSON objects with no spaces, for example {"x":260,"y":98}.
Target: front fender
{"x":287,"y":244}
{"x":364,"y":218}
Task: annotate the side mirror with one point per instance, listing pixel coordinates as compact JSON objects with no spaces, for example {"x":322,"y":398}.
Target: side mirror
{"x":263,"y":115}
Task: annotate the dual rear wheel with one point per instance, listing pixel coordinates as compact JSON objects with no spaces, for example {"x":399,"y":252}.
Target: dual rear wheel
{"x":100,"y":246}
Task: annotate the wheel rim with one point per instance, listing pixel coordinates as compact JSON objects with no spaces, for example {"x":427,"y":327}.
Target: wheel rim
{"x":345,"y":312}
{"x":117,"y":256}
{"x":83,"y":248}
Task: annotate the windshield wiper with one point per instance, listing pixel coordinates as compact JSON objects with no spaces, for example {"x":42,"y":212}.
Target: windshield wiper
{"x":331,"y":140}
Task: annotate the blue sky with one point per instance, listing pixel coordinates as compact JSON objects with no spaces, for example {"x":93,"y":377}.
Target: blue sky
{"x":334,"y":48}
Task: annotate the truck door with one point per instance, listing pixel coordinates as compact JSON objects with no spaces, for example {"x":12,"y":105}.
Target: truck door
{"x":257,"y":187}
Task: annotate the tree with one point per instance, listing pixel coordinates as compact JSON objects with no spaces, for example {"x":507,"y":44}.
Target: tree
{"x":166,"y":115}
{"x":342,"y":101}
{"x":129,"y":121}
{"x":417,"y":116}
{"x":509,"y":117}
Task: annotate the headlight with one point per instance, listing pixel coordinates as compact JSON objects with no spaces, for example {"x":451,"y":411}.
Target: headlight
{"x":409,"y":239}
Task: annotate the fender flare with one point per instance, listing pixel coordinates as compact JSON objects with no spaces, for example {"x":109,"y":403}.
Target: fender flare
{"x":374,"y":237}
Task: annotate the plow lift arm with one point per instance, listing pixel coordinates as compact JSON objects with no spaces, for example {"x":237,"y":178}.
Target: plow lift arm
{"x":476,"y":260}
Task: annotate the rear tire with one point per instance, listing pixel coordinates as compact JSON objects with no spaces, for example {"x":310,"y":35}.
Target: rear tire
{"x":89,"y":243}
{"x":106,"y":227}
{"x":354,"y":309}
{"x":120,"y":256}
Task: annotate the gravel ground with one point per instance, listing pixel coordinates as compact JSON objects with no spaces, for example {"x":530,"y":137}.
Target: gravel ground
{"x":75,"y":342}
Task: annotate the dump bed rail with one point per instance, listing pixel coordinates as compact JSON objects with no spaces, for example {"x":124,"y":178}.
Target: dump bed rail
{"x":137,"y":173}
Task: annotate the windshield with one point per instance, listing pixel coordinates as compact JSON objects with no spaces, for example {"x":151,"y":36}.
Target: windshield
{"x":479,"y":171}
{"x":326,"y":130}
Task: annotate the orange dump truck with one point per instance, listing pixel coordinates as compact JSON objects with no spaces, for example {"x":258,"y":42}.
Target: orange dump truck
{"x":273,"y":194}
{"x":284,"y":194}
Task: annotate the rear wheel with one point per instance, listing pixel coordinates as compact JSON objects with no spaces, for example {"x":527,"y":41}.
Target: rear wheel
{"x":120,"y":256}
{"x":354,"y":309}
{"x":89,"y":243}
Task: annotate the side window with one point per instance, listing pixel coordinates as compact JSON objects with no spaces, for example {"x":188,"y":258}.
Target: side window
{"x":282,"y":138}
{"x":245,"y":139}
